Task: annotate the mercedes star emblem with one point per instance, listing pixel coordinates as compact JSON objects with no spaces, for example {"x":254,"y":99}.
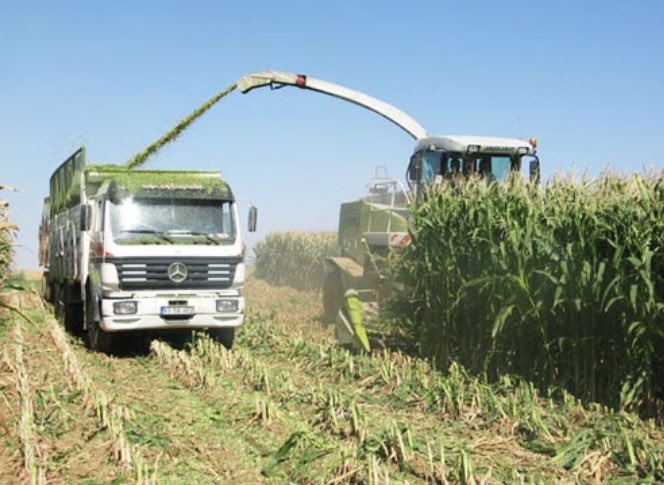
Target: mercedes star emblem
{"x":177,"y":272}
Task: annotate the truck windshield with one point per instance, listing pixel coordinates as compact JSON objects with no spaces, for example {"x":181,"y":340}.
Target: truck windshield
{"x":492,"y":167}
{"x":172,"y":221}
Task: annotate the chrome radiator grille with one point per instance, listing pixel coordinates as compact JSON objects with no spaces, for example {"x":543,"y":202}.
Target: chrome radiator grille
{"x":153,"y":273}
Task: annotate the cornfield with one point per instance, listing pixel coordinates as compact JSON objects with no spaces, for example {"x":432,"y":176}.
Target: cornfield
{"x":295,"y":259}
{"x":562,"y":285}
{"x":5,"y":256}
{"x":6,"y":230}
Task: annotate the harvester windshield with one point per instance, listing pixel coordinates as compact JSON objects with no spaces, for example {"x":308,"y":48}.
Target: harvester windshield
{"x":172,"y":221}
{"x":447,"y":165}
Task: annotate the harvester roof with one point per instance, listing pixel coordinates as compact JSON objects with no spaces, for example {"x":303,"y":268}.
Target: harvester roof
{"x":484,"y":144}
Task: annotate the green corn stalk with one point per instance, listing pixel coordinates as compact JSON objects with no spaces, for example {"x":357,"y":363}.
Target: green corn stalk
{"x":562,"y":284}
{"x":465,"y":469}
{"x":6,"y":237}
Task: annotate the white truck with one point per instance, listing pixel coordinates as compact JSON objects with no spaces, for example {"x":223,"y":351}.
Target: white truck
{"x":142,"y":250}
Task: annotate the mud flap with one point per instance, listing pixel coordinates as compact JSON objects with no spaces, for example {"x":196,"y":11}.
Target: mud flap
{"x":348,"y":326}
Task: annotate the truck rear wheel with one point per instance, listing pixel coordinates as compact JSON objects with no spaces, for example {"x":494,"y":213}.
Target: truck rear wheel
{"x":225,"y":336}
{"x":57,"y":296}
{"x":72,"y":310}
{"x":46,"y":288}
{"x":332,"y":296}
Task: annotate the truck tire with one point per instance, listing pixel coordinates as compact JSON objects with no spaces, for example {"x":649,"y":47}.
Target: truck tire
{"x":98,"y":340}
{"x":58,"y":295}
{"x":225,"y":336}
{"x":332,"y":296}
{"x":46,"y":288}
{"x":72,"y":310}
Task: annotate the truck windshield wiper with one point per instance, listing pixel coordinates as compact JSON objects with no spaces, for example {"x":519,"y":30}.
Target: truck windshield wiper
{"x":159,"y":234}
{"x":207,"y":235}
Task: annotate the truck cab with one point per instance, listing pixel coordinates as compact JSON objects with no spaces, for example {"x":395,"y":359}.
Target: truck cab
{"x":146,"y":250}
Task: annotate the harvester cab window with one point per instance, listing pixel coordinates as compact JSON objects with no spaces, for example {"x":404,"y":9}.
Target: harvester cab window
{"x":469,"y":165}
{"x":484,"y":168}
{"x":487,"y":166}
{"x":431,"y":166}
{"x":439,"y":163}
{"x":455,"y":166}
{"x":446,"y":165}
{"x":500,"y":167}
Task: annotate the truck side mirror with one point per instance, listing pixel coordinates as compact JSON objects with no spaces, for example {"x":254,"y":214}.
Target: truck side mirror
{"x":253,"y":218}
{"x":534,"y":169}
{"x":85,"y":216}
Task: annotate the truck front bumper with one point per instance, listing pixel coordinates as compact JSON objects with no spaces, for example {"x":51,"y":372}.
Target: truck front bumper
{"x":148,"y":314}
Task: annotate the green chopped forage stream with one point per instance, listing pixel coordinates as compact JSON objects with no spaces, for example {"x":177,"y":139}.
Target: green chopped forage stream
{"x":141,"y":157}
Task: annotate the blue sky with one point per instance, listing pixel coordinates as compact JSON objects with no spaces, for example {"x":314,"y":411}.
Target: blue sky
{"x":585,"y":78}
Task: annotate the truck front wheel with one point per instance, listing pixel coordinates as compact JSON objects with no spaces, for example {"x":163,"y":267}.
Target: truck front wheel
{"x":98,"y":340}
{"x":332,"y":296}
{"x":225,"y":336}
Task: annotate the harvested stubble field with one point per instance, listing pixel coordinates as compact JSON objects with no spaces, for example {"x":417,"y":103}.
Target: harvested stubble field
{"x":287,"y":405}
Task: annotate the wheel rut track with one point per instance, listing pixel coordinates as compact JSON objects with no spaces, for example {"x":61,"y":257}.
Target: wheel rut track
{"x":190,"y":437}
{"x":69,"y":443}
{"x":182,"y":438}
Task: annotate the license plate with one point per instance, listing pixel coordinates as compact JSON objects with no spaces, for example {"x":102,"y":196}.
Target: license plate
{"x":175,"y":311}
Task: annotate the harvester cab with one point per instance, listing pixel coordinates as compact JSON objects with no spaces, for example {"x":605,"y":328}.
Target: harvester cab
{"x":441,"y":158}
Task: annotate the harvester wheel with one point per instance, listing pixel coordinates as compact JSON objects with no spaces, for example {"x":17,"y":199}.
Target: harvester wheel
{"x":332,"y":296}
{"x":225,"y":336}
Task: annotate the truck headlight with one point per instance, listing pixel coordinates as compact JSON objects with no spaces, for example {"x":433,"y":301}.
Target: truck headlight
{"x":226,"y":306}
{"x":124,"y":307}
